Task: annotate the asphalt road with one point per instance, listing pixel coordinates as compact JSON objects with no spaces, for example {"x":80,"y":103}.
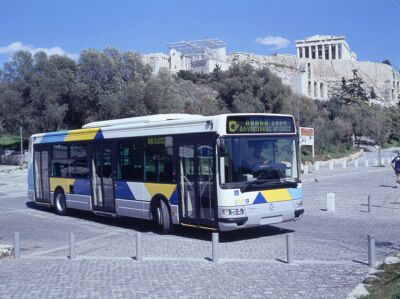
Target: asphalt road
{"x":330,"y":247}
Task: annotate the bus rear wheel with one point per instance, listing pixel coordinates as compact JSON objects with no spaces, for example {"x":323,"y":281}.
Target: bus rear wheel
{"x":162,"y":217}
{"x":60,"y":203}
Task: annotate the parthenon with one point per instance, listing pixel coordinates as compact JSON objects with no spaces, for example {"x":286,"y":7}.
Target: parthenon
{"x":324,"y":47}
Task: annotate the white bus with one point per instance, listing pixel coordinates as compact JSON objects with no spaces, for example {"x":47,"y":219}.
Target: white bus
{"x":222,"y":172}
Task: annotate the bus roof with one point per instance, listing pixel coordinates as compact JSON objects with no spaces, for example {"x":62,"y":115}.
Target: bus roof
{"x":142,"y":120}
{"x":159,"y":124}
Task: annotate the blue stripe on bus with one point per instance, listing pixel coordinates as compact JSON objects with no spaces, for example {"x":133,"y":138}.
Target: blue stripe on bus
{"x":173,"y":199}
{"x":123,"y":191}
{"x":30,"y":178}
{"x":99,"y":135}
{"x":82,"y":187}
{"x":296,"y":193}
{"x":259,"y":199}
{"x":54,"y":137}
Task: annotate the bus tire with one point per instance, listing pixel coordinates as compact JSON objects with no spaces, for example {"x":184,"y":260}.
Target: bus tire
{"x":60,"y":204}
{"x":163,"y":217}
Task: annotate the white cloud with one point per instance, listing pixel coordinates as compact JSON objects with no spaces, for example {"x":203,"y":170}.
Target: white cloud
{"x":277,"y":42}
{"x":18,"y":46}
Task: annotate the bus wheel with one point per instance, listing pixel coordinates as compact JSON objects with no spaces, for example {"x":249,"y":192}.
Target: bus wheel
{"x":60,"y":204}
{"x":163,"y":218}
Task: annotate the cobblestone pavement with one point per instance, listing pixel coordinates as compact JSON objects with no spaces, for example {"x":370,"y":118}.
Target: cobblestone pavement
{"x":330,"y":247}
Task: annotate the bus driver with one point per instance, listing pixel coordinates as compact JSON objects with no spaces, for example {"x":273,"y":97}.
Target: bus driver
{"x":256,"y":158}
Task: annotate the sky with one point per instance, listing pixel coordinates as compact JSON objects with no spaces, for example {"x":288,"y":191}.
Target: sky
{"x":371,"y":27}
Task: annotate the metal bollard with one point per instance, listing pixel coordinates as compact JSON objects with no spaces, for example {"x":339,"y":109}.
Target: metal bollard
{"x":330,"y":202}
{"x":139,"y":255}
{"x":375,"y":162}
{"x":369,"y":204}
{"x":371,"y":251}
{"x":289,"y":248}
{"x":330,"y":165}
{"x":366,"y":163}
{"x":72,"y":246}
{"x":17,"y":248}
{"x":215,"y":241}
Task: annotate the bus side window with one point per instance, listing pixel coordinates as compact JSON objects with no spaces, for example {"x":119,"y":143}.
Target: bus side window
{"x":159,"y":163}
{"x":130,"y":160}
{"x":59,"y":161}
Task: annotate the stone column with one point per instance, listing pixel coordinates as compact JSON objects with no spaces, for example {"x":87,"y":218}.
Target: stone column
{"x":330,"y":51}
{"x":337,"y":51}
{"x":326,"y":48}
{"x":298,"y":52}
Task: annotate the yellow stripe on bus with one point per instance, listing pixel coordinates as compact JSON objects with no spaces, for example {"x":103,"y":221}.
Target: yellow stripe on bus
{"x":164,"y":189}
{"x":62,"y":182}
{"x":81,"y":134}
{"x":276,"y":195}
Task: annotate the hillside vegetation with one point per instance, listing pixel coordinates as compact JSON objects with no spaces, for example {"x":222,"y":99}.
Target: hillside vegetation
{"x":41,"y":93}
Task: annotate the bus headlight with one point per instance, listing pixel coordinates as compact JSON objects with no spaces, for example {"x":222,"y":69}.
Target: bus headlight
{"x":227,"y":212}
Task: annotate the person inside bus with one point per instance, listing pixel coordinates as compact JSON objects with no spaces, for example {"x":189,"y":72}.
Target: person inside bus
{"x":256,"y":158}
{"x":262,"y":163}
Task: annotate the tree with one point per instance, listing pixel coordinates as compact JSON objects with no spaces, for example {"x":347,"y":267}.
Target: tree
{"x":351,"y":90}
{"x":162,"y":96}
{"x":387,"y":61}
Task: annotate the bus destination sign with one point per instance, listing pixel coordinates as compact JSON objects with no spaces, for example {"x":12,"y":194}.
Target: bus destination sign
{"x":256,"y":124}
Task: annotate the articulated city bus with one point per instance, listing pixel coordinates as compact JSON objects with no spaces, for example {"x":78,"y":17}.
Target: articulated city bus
{"x":222,"y":172}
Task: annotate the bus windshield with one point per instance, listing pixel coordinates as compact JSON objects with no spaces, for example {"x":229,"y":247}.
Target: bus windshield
{"x":245,"y":160}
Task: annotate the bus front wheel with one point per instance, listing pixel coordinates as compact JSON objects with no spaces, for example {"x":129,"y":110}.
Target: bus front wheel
{"x":60,"y":203}
{"x":162,"y":217}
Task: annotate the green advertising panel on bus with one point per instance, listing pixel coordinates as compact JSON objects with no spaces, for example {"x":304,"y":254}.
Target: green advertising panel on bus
{"x":255,"y":124}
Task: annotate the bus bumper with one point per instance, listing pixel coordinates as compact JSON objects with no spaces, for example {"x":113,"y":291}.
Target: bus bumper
{"x":261,"y":214}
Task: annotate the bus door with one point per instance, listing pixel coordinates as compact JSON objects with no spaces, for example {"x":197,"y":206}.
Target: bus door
{"x":102,"y":178}
{"x":196,"y":181}
{"x":41,"y":160}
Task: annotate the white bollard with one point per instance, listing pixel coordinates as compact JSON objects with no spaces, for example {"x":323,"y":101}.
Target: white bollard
{"x":366,"y":163}
{"x":356,"y":164}
{"x":215,"y":241}
{"x":305,"y":170}
{"x":389,"y":160}
{"x":371,"y":251}
{"x":316,"y":166}
{"x":344,"y":164}
{"x":330,"y":165}
{"x":301,"y":167}
{"x":382,"y":161}
{"x":375,"y":162}
{"x":330,"y":202}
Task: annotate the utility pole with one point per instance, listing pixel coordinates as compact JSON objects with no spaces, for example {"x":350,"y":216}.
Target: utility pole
{"x":22,"y":146}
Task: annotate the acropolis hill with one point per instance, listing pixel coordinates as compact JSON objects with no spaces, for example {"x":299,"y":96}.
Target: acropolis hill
{"x":319,"y":65}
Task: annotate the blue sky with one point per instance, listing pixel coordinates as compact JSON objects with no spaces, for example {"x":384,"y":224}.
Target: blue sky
{"x":371,"y":27}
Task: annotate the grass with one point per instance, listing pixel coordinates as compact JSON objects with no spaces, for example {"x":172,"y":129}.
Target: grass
{"x":388,"y":286}
{"x":332,"y":153}
{"x":393,"y":142}
{"x":6,"y":140}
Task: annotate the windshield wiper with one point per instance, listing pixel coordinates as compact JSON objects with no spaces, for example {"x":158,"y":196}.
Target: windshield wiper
{"x":262,"y":183}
